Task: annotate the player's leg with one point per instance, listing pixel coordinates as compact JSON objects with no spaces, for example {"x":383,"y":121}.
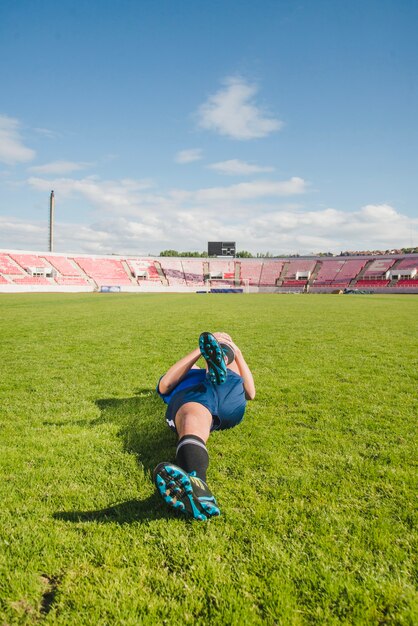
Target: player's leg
{"x":183,"y":485}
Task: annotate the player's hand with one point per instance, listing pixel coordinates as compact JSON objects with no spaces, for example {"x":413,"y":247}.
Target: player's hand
{"x":227,"y":339}
{"x":222,"y":337}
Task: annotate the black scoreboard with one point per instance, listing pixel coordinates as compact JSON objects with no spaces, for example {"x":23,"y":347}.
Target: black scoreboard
{"x":221,"y":248}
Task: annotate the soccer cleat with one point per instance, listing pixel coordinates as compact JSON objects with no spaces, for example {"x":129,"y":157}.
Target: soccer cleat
{"x":185,"y":492}
{"x":214,"y":357}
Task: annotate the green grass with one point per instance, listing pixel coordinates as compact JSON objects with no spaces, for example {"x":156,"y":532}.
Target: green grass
{"x":316,"y":486}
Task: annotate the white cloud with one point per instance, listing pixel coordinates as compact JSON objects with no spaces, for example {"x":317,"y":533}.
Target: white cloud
{"x":59,"y":167}
{"x":12,"y":149}
{"x":121,"y":195}
{"x":188,"y":156}
{"x":235,"y":167}
{"x":253,"y":190}
{"x":46,"y":132}
{"x":231,"y":111}
{"x":130,"y":216}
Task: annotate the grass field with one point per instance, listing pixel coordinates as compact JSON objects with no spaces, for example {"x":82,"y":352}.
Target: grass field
{"x":317,"y":486}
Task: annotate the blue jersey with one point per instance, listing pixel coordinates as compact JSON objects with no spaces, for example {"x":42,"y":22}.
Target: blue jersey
{"x":225,"y":402}
{"x":192,"y":378}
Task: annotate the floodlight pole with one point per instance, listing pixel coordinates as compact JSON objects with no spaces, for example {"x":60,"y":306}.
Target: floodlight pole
{"x":51,"y":221}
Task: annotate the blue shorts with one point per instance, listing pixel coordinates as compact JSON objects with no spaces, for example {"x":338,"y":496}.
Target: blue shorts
{"x":225,"y":402}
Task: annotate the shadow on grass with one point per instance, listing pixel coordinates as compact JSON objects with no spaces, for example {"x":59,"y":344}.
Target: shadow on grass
{"x":144,"y":433}
{"x":122,"y":513}
{"x":143,"y":429}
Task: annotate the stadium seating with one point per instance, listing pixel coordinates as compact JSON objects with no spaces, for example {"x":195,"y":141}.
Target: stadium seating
{"x":31,"y":280}
{"x":193,"y":272}
{"x":329,"y":271}
{"x":372,"y":283}
{"x":30,"y":260}
{"x":63,"y":265}
{"x":104,"y":271}
{"x":220,"y":266}
{"x":299,"y":265}
{"x":407,"y":282}
{"x":294,"y":283}
{"x":138,"y":265}
{"x":7,"y":266}
{"x":270,"y":272}
{"x":378,"y":268}
{"x":408,"y":264}
{"x":71,"y":280}
{"x":150,"y":273}
{"x":350,"y":270}
{"x":173,"y":270}
{"x":251,"y":271}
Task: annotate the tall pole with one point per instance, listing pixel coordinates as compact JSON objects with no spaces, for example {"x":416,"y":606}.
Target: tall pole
{"x":51,"y":221}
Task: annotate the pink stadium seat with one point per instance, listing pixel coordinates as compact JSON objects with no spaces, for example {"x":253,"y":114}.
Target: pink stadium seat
{"x":350,"y":269}
{"x":173,"y":270}
{"x":63,"y":265}
{"x":408,"y":264}
{"x":378,"y":268}
{"x":31,"y":280}
{"x":104,"y":271}
{"x":143,"y":264}
{"x":193,"y":271}
{"x":329,"y":271}
{"x":251,"y":270}
{"x":71,"y":280}
{"x":3,"y":280}
{"x":270,"y":272}
{"x":407,"y":282}
{"x":299,"y":265}
{"x":372,"y":283}
{"x":294,"y":283}
{"x":7,"y":266}
{"x":222,"y":266}
{"x":29,"y":260}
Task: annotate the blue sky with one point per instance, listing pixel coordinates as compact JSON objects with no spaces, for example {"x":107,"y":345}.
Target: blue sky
{"x":287,"y":126}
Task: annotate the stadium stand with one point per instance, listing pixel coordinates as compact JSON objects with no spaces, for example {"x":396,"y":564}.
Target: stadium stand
{"x":350,"y":270}
{"x":270,"y":273}
{"x":8,"y":266}
{"x":410,"y":283}
{"x":294,"y":283}
{"x":63,"y":265}
{"x":27,"y":261}
{"x":31,"y":280}
{"x":193,"y":272}
{"x":377,"y":268}
{"x":173,"y":270}
{"x":143,"y":268}
{"x":71,"y":280}
{"x":329,"y":272}
{"x":409,"y":263}
{"x":49,"y":272}
{"x":104,"y":271}
{"x":299,"y":266}
{"x":372,"y":283}
{"x":251,"y":271}
{"x":220,"y":267}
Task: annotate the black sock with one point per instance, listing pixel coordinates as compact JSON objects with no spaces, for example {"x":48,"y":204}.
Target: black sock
{"x":192,"y":455}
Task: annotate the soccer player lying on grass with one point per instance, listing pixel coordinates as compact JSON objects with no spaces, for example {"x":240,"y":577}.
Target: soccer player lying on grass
{"x":200,"y":401}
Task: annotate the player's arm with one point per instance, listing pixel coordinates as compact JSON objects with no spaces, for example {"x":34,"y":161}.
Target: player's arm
{"x":178,"y":371}
{"x":247,"y":377}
